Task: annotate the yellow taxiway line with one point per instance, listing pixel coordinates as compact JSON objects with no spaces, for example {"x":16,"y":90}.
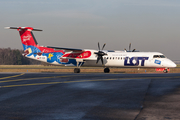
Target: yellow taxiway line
{"x":31,"y":79}
{"x":11,"y":76}
{"x":49,"y":83}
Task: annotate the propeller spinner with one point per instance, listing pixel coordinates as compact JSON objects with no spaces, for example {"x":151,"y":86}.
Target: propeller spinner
{"x":100,"y":54}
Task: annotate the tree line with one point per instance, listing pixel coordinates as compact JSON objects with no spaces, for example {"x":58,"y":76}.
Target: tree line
{"x":10,"y":56}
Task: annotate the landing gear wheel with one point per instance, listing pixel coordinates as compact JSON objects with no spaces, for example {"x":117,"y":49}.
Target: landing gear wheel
{"x":76,"y":70}
{"x":165,"y":71}
{"x":106,"y":70}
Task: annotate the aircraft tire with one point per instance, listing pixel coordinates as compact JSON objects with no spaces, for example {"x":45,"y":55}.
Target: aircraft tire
{"x":106,"y":70}
{"x":76,"y":70}
{"x":165,"y":71}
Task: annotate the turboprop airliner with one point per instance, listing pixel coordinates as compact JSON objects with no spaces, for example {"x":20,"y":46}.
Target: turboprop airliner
{"x":89,"y":57}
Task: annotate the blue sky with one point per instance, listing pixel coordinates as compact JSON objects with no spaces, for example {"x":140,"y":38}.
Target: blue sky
{"x":149,"y":25}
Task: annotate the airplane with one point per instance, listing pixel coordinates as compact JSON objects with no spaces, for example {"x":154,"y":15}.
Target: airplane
{"x":89,"y":57}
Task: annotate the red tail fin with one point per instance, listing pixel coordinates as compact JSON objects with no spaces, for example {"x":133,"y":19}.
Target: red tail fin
{"x":27,"y":37}
{"x":29,"y":42}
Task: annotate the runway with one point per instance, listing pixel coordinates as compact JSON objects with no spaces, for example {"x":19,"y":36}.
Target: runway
{"x":89,"y":96}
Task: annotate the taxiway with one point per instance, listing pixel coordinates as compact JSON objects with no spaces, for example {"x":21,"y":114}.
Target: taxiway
{"x":93,"y":96}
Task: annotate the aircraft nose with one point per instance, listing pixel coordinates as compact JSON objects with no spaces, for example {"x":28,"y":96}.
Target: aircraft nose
{"x":170,"y":64}
{"x":173,"y":64}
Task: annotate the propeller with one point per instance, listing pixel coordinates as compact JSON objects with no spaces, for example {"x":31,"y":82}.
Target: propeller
{"x":100,"y":54}
{"x":130,"y":49}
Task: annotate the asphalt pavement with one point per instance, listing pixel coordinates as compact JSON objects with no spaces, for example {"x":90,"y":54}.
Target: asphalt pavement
{"x":89,"y":96}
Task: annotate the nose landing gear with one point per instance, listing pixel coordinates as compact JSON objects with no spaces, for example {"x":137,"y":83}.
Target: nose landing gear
{"x":165,"y":70}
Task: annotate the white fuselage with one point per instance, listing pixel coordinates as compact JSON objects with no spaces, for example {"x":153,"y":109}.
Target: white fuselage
{"x":132,"y":59}
{"x":113,"y":59}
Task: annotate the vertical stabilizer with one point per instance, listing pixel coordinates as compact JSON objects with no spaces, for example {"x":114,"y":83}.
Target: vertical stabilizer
{"x":27,"y":38}
{"x":29,"y":42}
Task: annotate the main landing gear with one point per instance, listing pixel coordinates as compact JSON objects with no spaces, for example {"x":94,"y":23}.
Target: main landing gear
{"x":106,"y":70}
{"x":77,"y":70}
{"x":79,"y":64}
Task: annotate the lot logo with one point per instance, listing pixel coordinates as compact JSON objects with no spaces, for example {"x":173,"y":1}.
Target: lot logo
{"x":157,"y":62}
{"x":134,"y":61}
{"x":26,"y":38}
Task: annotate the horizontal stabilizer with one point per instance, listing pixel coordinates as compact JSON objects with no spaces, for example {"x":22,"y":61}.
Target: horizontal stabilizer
{"x":23,"y":28}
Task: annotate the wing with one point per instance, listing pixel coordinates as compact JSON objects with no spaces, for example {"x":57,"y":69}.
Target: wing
{"x":72,"y":53}
{"x":67,"y":49}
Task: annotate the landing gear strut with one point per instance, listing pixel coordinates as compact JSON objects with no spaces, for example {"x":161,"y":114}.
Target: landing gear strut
{"x":79,"y":64}
{"x":106,"y":70}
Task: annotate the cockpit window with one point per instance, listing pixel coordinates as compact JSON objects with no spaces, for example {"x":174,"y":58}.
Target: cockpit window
{"x":162,"y":56}
{"x":159,"y":56}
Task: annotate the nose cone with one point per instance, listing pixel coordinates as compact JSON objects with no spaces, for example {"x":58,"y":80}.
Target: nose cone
{"x":173,"y":64}
{"x":170,"y":64}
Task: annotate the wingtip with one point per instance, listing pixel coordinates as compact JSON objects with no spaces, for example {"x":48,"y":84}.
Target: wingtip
{"x":6,"y":27}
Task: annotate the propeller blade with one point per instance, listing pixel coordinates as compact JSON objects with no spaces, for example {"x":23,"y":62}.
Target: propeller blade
{"x":102,"y":60}
{"x":98,"y":59}
{"x":100,"y":54}
{"x":134,"y":50}
{"x":103,"y":46}
{"x":98,"y":46}
{"x":130,"y":47}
